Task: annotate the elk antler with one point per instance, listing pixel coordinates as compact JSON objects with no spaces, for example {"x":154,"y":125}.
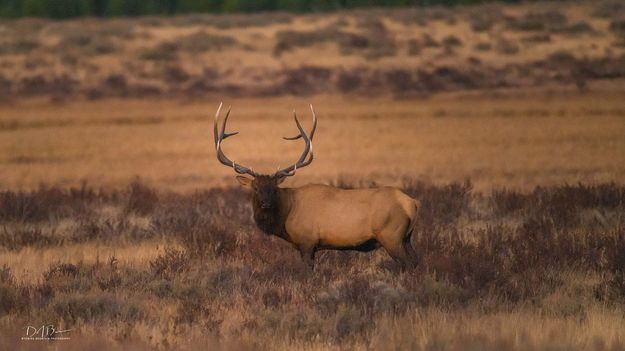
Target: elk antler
{"x":302,"y":162}
{"x":219,"y":138}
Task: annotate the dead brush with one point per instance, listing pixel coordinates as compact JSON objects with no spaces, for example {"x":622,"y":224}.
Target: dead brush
{"x":142,"y":200}
{"x":505,"y":202}
{"x":14,"y":298}
{"x":80,"y":277}
{"x":45,"y":203}
{"x":170,"y":263}
{"x":501,"y":257}
{"x":609,"y":8}
{"x":348,"y":81}
{"x":191,"y":309}
{"x":351,"y":324}
{"x":441,"y":205}
{"x":402,"y":81}
{"x":163,"y":51}
{"x":563,"y":204}
{"x":306,"y":80}
{"x":488,"y":254}
{"x":379,"y":40}
{"x":75,"y":308}
{"x":22,"y":46}
{"x":205,"y":223}
{"x":484,"y":18}
{"x":274,"y":298}
{"x":62,"y":278}
{"x":618,"y":26}
{"x":108,"y":276}
{"x":202,"y":41}
{"x":538,"y":21}
{"x":506,"y":46}
{"x":287,"y":40}
{"x":577,"y":28}
{"x":56,"y":85}
{"x":452,"y":41}
{"x":86,"y":43}
{"x":109,"y":230}
{"x":18,"y":238}
{"x":612,"y":289}
{"x":209,"y":237}
{"x":232,"y":21}
{"x":6,"y":276}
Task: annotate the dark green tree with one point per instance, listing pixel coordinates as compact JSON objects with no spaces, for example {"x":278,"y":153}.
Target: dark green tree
{"x":109,"y":8}
{"x":33,"y":8}
{"x":99,"y":7}
{"x":133,"y":7}
{"x":64,"y":8}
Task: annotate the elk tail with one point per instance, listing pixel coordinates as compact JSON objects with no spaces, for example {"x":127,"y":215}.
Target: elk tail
{"x":412,"y":254}
{"x":413,"y":220}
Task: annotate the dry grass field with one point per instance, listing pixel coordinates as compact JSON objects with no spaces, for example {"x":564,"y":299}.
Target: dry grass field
{"x":515,"y":140}
{"x":506,"y":122}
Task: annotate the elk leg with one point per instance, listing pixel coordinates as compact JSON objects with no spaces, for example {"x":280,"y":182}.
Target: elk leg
{"x":410,"y":251}
{"x":400,"y":255}
{"x":395,"y":246}
{"x":308,"y":256}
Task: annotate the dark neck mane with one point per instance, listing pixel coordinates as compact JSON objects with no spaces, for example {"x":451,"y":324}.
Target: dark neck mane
{"x":271,"y":221}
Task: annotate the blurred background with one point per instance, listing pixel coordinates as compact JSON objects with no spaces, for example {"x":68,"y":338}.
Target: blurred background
{"x":512,"y":94}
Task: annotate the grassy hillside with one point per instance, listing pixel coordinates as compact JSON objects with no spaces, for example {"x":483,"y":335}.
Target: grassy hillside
{"x":401,"y":52}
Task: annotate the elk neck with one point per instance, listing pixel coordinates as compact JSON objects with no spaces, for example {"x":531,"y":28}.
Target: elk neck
{"x":272,"y":220}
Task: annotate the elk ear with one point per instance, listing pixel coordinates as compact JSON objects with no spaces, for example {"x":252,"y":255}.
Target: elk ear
{"x":280,"y":180}
{"x":245,"y":181}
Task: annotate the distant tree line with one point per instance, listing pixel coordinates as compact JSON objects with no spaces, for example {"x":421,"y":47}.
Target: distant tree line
{"x":110,"y":8}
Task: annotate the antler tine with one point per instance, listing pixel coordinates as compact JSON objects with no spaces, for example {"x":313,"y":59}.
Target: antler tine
{"x":215,"y":130}
{"x":314,"y":127}
{"x":298,"y":135}
{"x":223,"y":133}
{"x":312,"y":132}
{"x":219,"y":138}
{"x":302,"y":162}
{"x":302,"y":133}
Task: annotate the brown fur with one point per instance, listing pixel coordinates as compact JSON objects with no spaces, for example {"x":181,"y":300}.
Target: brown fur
{"x":322,"y":217}
{"x":270,"y":219}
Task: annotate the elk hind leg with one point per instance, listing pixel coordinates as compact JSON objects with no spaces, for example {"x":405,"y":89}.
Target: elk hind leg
{"x":397,"y":243}
{"x":397,"y":250}
{"x":412,"y":255}
{"x":308,"y":256}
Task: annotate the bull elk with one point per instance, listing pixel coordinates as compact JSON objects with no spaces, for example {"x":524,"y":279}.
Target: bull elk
{"x":315,"y":216}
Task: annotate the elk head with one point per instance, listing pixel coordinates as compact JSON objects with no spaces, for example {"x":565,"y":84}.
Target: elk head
{"x":265,"y":187}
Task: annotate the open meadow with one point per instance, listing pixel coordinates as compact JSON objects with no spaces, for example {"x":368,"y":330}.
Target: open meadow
{"x":507,"y":122}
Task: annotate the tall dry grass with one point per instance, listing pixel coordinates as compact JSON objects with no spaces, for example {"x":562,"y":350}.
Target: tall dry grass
{"x":499,"y":270}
